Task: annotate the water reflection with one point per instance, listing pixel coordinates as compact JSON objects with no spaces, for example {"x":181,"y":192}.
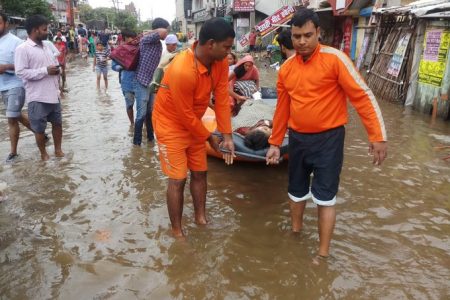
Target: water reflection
{"x":95,"y":224}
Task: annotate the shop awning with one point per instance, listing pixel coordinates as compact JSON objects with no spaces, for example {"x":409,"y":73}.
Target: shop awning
{"x":438,"y":15}
{"x":418,"y":8}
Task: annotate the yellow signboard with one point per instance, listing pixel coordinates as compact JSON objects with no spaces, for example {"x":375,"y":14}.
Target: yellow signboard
{"x":434,"y":59}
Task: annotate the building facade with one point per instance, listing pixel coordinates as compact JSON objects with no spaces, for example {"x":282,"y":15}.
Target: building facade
{"x":65,"y":11}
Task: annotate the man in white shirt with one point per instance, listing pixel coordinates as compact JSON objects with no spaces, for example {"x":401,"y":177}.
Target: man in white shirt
{"x":37,"y":66}
{"x":11,"y":87}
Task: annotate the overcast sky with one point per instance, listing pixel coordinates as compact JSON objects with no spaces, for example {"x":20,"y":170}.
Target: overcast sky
{"x":149,"y":8}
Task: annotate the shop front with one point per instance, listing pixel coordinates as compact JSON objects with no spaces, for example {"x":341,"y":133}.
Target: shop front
{"x":199,"y":17}
{"x":244,"y":18}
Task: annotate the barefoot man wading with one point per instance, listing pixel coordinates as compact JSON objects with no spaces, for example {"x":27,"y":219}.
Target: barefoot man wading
{"x":313,"y":87}
{"x":38,"y":68}
{"x":182,"y":100}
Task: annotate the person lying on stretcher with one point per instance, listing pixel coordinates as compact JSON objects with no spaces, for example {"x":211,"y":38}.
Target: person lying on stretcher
{"x":253,"y":124}
{"x":257,"y":136}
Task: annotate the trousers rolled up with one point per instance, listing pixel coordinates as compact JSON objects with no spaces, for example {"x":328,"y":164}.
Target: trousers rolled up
{"x":142,"y":105}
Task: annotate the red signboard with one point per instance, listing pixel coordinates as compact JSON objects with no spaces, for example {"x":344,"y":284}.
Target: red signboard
{"x":347,"y":36}
{"x":281,"y":16}
{"x":244,"y":5}
{"x":339,"y":6}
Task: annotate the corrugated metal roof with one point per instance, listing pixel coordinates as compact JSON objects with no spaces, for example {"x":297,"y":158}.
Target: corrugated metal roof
{"x":418,"y":8}
{"x":438,"y":15}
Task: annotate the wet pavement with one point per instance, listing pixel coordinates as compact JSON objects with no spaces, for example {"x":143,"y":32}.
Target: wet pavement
{"x":94,"y":225}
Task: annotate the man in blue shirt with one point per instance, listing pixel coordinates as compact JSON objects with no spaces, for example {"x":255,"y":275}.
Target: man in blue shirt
{"x":150,"y":49}
{"x":127,"y":79}
{"x":11,"y":87}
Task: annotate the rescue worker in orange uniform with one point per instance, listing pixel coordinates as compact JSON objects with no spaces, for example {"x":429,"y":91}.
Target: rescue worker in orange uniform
{"x":313,"y":87}
{"x":189,"y":81}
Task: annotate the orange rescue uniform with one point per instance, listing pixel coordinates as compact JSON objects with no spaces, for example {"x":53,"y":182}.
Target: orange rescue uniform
{"x":312,"y":96}
{"x":179,"y":107}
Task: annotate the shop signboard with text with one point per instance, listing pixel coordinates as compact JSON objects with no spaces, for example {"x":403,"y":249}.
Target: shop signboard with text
{"x":433,"y":65}
{"x":281,"y":16}
{"x":244,"y":5}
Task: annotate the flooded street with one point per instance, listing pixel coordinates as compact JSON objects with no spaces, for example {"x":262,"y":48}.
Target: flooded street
{"x":94,"y":225}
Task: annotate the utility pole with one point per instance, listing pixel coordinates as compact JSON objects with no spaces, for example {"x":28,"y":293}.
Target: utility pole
{"x":71,"y":17}
{"x":116,"y":4}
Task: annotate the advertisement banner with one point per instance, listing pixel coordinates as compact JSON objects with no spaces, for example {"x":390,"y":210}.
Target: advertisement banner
{"x":281,"y":16}
{"x":362,"y":52}
{"x":244,"y":5}
{"x":397,"y":59}
{"x":244,"y":41}
{"x":434,"y":59}
{"x":432,"y":44}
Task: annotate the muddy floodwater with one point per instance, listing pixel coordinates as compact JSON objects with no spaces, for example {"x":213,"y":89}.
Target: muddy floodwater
{"x":94,"y":225}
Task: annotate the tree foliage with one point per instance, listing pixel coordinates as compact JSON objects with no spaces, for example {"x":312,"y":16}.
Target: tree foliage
{"x":121,"y":20}
{"x":25,"y":8}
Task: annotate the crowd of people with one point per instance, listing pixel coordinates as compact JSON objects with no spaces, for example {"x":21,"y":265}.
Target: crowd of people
{"x":313,"y":85}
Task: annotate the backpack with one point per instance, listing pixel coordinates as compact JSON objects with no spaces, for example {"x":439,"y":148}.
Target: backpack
{"x":127,"y":55}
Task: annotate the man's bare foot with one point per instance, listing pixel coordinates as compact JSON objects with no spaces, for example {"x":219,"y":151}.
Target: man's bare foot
{"x":59,"y":154}
{"x":178,"y":233}
{"x":319,"y":259}
{"x":296,"y":230}
{"x":201,"y":221}
{"x":45,"y":157}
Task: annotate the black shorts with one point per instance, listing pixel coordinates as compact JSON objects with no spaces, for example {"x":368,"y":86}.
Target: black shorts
{"x":321,"y":154}
{"x":252,"y":48}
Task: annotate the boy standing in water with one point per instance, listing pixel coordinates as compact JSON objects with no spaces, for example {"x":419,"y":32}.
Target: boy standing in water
{"x":100,"y":65}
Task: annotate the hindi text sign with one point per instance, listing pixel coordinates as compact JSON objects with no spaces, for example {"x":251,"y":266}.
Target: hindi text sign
{"x":281,"y":16}
{"x":244,"y":5}
{"x":434,"y":62}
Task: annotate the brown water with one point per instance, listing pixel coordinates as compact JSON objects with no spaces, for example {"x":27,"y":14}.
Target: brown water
{"x":94,"y":224}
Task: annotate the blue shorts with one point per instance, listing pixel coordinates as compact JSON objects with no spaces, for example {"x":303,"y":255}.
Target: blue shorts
{"x":321,"y":154}
{"x":40,"y":113}
{"x":101,"y":70}
{"x":14,"y":100}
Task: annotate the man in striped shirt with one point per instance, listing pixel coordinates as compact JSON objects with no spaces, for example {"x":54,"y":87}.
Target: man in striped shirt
{"x":313,"y":87}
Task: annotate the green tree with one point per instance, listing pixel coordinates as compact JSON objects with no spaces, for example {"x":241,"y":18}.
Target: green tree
{"x":125,"y":20}
{"x":146,"y":25}
{"x":120,"y":20}
{"x":86,"y":13}
{"x":25,"y":8}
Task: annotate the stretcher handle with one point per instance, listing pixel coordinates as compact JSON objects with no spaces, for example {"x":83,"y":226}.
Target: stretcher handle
{"x":249,"y":155}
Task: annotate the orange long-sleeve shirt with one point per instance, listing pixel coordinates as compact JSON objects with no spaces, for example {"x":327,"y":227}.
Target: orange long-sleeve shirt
{"x":312,"y":96}
{"x":184,"y":102}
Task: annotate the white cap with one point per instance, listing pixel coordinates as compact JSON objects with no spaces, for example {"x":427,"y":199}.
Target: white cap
{"x":171,"y":39}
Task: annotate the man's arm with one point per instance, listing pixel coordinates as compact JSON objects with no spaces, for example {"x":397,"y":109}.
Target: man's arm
{"x":6,"y":67}
{"x":363,"y":99}
{"x":22,"y":69}
{"x":280,"y":122}
{"x":223,"y":112}
{"x":222,"y":103}
{"x":154,"y":37}
{"x":282,"y":113}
